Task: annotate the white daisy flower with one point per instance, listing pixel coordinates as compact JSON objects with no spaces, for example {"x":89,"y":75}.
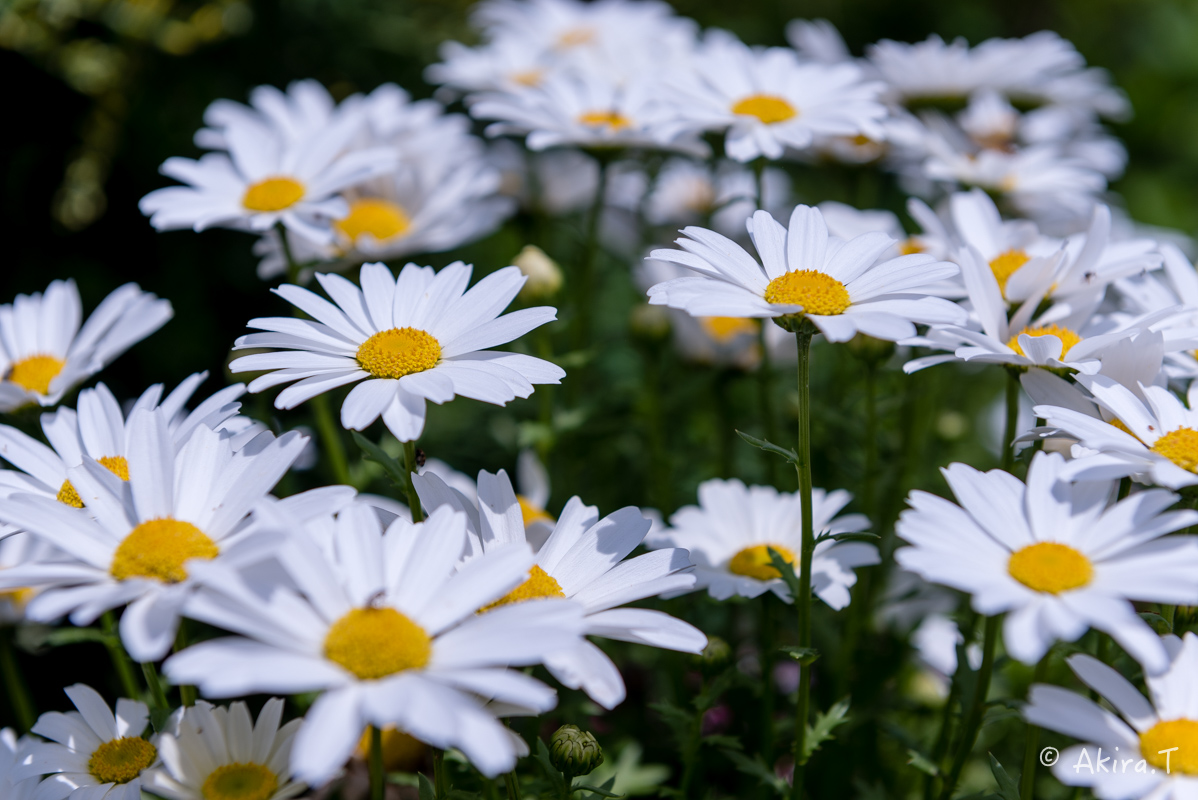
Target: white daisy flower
{"x":687,"y":192}
{"x":729,"y":535}
{"x":222,"y":754}
{"x":134,"y":540}
{"x":16,"y":549}
{"x":1057,"y":558}
{"x":420,"y":337}
{"x":504,"y":65}
{"x":385,"y":625}
{"x":585,"y":560}
{"x":92,"y":753}
{"x":837,"y":285}
{"x":44,"y":352}
{"x":767,"y":100}
{"x":1154,"y":739}
{"x":12,"y":751}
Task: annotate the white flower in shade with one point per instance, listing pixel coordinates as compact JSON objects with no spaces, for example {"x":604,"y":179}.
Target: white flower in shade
{"x":12,"y":750}
{"x":838,"y":286}
{"x":92,"y":753}
{"x":1057,"y":558}
{"x":1153,"y":739}
{"x":16,"y":549}
{"x":504,"y":65}
{"x":385,"y":625}
{"x":420,"y":337}
{"x":730,"y":533}
{"x":767,"y":100}
{"x":44,"y":352}
{"x":686,"y":192}
{"x":222,"y":754}
{"x":817,"y":40}
{"x":585,"y":560}
{"x":133,"y":541}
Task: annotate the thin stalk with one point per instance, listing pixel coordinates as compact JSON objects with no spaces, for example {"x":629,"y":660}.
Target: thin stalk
{"x":440,"y":776}
{"x":868,"y":490}
{"x":330,"y":434}
{"x":512,"y":784}
{"x":940,"y":748}
{"x":1031,"y":741}
{"x":973,"y":720}
{"x":769,"y":691}
{"x":759,"y":182}
{"x":293,"y":269}
{"x":803,"y":601}
{"x":1008,"y":449}
{"x":378,"y":777}
{"x":409,"y":462}
{"x":187,"y":694}
{"x":724,"y":422}
{"x":765,"y":398}
{"x":120,"y":659}
{"x":154,"y":684}
{"x":586,"y":264}
{"x":14,"y":682}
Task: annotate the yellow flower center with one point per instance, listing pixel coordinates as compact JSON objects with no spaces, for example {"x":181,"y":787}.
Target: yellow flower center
{"x":273,"y":194}
{"x":1118,"y":423}
{"x":1176,"y":733}
{"x":1068,"y":338}
{"x":1050,"y":567}
{"x":725,"y":329}
{"x":68,"y":495}
{"x":539,"y":584}
{"x":768,"y":108}
{"x":373,"y":643}
{"x":399,"y":351}
{"x":33,"y":374}
{"x":911,"y":246}
{"x":1006,"y":264}
{"x":121,"y":760}
{"x":158,"y":548}
{"x":1179,"y":446}
{"x":529,"y":77}
{"x":117,"y":465}
{"x":817,"y":292}
{"x":532,"y":513}
{"x":17,"y":597}
{"x":612,"y":120}
{"x":755,"y":562}
{"x":240,"y":782}
{"x":575,"y":37}
{"x":379,"y":218}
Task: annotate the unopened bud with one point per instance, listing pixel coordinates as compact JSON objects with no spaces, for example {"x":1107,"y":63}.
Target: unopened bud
{"x":715,"y":654}
{"x":651,"y":323}
{"x":574,"y":751}
{"x":544,"y":275}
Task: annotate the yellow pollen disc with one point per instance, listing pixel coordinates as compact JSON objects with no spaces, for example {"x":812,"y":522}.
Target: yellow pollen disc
{"x":1050,"y":567}
{"x":529,"y":77}
{"x":1179,"y":446}
{"x":575,"y":37}
{"x":240,"y":782}
{"x":1179,"y":733}
{"x":725,"y":329}
{"x":1006,"y":264}
{"x":612,"y":120}
{"x":815,"y":291}
{"x":373,"y":643}
{"x":121,"y":760}
{"x":158,"y":548}
{"x":17,"y":597}
{"x":68,"y":495}
{"x":273,"y":194}
{"x":755,"y":562}
{"x":380,"y":218}
{"x":117,"y":465}
{"x":1068,"y":338}
{"x":911,"y":246}
{"x":766,"y":107}
{"x":399,"y":351}
{"x":401,"y":752}
{"x":539,"y":584}
{"x":531,"y":512}
{"x":33,"y":374}
{"x":1118,"y":423}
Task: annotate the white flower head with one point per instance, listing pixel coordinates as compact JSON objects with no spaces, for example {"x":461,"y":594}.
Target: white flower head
{"x":44,"y":352}
{"x":730,"y":533}
{"x":837,"y":285}
{"x":12,"y":752}
{"x":1057,"y":558}
{"x":421,"y":336}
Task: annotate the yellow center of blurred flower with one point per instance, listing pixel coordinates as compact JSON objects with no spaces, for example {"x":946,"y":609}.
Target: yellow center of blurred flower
{"x":1006,"y":264}
{"x":117,"y":465}
{"x":539,"y":584}
{"x":17,"y":597}
{"x":401,"y":752}
{"x":768,"y":108}
{"x":33,"y":374}
{"x":1068,"y":338}
{"x":399,"y":351}
{"x":376,"y":642}
{"x":576,"y":36}
{"x":1050,"y":567}
{"x":817,"y":292}
{"x":1176,"y":733}
{"x":272,"y":194}
{"x":240,"y":782}
{"x":612,"y":120}
{"x":371,"y":215}
{"x":68,"y":495}
{"x":755,"y":562}
{"x":911,"y":246}
{"x":529,"y":77}
{"x":158,"y":548}
{"x":121,"y":760}
{"x":725,"y":329}
{"x":1180,"y":447}
{"x":532,"y":512}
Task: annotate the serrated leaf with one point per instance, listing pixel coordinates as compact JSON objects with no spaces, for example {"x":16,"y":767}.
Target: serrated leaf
{"x":804,"y":655}
{"x":825,"y":723}
{"x":856,"y":536}
{"x":786,"y":570}
{"x":395,"y":470}
{"x":1007,"y":788}
{"x":595,"y":790}
{"x":756,"y":768}
{"x":719,"y":740}
{"x":679,"y":720}
{"x":427,"y":790}
{"x":922,"y":763}
{"x":551,"y":772}
{"x":770,"y":447}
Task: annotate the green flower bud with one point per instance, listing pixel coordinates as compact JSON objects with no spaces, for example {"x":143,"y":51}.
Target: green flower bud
{"x":544,"y":275}
{"x":716,"y":654}
{"x":574,"y":751}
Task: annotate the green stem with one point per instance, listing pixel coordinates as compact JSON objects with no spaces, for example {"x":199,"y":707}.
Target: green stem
{"x":512,"y":784}
{"x":330,"y":434}
{"x":871,"y":442}
{"x":940,"y":748}
{"x":586,"y":265}
{"x":725,"y":425}
{"x":120,"y":659}
{"x":973,"y":720}
{"x":293,"y":268}
{"x":759,"y":182}
{"x":1031,"y":740}
{"x":440,"y":776}
{"x":378,"y":778}
{"x":154,"y":684}
{"x":803,"y":601}
{"x":769,"y":692}
{"x":1008,"y":449}
{"x":187,"y":694}
{"x":765,"y":398}
{"x":409,"y":462}
{"x":14,"y":682}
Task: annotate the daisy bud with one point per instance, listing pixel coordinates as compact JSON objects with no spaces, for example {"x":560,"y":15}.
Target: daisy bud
{"x":544,"y":274}
{"x":574,"y":751}
{"x":715,"y":654}
{"x":650,"y":323}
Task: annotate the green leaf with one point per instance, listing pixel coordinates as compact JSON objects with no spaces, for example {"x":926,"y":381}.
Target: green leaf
{"x":770,"y":447}
{"x":786,"y":570}
{"x":922,"y":763}
{"x":551,"y":772}
{"x":160,"y":718}
{"x":595,"y":790}
{"x":858,"y":536}
{"x":427,"y":790}
{"x":679,"y":720}
{"x":63,"y":636}
{"x":804,"y":655}
{"x":394,"y":469}
{"x":1156,"y":622}
{"x":720,"y":740}
{"x":825,"y":723}
{"x":756,"y":768}
{"x":1007,"y":788}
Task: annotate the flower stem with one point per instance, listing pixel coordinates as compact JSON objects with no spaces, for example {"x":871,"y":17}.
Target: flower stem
{"x":765,"y":398}
{"x":803,"y":601}
{"x":973,"y":720}
{"x":1031,"y":740}
{"x":120,"y":659}
{"x":293,"y":269}
{"x":154,"y":683}
{"x":378,"y":778}
{"x":1008,"y":448}
{"x":768,"y":691}
{"x":440,"y":776}
{"x":940,"y":748}
{"x":586,"y":264}
{"x":14,"y":682}
{"x":330,"y":434}
{"x":512,"y":784}
{"x":409,"y":462}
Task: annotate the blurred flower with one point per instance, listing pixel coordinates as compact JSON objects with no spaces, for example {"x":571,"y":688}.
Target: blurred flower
{"x":12,"y":751}
{"x":543,"y":273}
{"x":687,"y":192}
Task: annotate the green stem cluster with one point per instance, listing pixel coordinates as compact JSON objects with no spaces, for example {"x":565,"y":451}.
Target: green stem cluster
{"x":973,"y":718}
